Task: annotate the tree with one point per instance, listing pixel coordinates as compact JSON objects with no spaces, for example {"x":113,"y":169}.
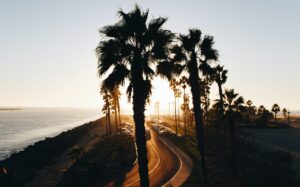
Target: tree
{"x":275,"y":110}
{"x":115,"y":93}
{"x":129,"y":48}
{"x":263,"y":116}
{"x":220,"y":76}
{"x":184,"y":107}
{"x":233,"y":106}
{"x":174,"y":86}
{"x":284,"y":112}
{"x":191,"y":54}
{"x":106,"y":97}
{"x":250,"y":112}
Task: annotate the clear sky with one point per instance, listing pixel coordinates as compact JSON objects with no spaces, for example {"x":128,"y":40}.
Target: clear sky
{"x":47,"y":47}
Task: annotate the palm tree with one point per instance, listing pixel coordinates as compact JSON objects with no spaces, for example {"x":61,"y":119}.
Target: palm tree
{"x":183,"y":81}
{"x":284,"y":112}
{"x":233,"y":107}
{"x":106,"y":108}
{"x":129,"y":48}
{"x":275,"y":110}
{"x":220,"y":78}
{"x":190,"y":54}
{"x":288,"y":116}
{"x":205,"y":84}
{"x":115,"y":93}
{"x":260,"y":110}
{"x":174,"y":87}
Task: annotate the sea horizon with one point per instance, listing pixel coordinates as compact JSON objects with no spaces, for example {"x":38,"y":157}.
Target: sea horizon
{"x":21,"y":128}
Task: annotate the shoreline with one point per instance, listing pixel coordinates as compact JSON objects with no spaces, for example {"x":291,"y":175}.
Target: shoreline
{"x":10,"y":109}
{"x":28,"y":162}
{"x":60,"y":160}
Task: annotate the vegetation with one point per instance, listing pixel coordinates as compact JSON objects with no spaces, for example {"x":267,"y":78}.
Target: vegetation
{"x":255,"y":165}
{"x":129,"y":48}
{"x":275,"y":110}
{"x":105,"y":163}
{"x":22,"y":167}
{"x":193,"y":54}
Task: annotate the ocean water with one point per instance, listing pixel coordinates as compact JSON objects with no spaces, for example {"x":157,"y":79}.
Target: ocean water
{"x":21,"y":128}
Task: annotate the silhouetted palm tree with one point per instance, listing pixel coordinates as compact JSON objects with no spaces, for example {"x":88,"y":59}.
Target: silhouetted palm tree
{"x":191,"y":54}
{"x":233,"y":107}
{"x":130,"y":47}
{"x":220,"y":78}
{"x":275,"y":110}
{"x":174,"y":87}
{"x":106,"y":97}
{"x":115,"y":93}
{"x":183,"y":82}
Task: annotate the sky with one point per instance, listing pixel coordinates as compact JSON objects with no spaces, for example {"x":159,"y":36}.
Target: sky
{"x":47,"y":48}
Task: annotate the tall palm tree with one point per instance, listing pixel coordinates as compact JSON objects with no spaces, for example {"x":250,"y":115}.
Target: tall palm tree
{"x":275,"y":110}
{"x":130,"y":47}
{"x":192,"y":52}
{"x":220,"y":77}
{"x":174,"y":87}
{"x":115,"y":93}
{"x":233,"y":107}
{"x":106,"y":108}
{"x":183,"y":82}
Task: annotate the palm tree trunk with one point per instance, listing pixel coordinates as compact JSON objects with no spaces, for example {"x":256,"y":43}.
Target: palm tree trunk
{"x":221,"y":121}
{"x":116,"y":119}
{"x":139,"y":120}
{"x":175,"y":106}
{"x":233,"y":152}
{"x":119,"y":114}
{"x":178,"y":112}
{"x":106,"y":124}
{"x":199,"y":129}
{"x":139,"y":102}
{"x":195,"y":90}
{"x":108,"y":117}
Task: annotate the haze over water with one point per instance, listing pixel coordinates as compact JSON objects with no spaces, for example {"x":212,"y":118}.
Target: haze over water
{"x":20,"y":128}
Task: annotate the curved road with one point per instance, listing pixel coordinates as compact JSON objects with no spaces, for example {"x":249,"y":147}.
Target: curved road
{"x":163,"y":164}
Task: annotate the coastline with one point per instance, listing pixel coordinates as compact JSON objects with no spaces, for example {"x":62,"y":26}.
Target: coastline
{"x":42,"y":153}
{"x":65,"y":158}
{"x":9,"y":109}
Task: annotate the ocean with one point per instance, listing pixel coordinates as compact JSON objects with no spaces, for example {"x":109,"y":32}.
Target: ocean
{"x":21,"y":128}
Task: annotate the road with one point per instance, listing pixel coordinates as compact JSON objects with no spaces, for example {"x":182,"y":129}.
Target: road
{"x":163,"y":164}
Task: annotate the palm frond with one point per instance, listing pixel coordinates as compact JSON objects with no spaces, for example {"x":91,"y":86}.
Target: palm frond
{"x":164,"y":69}
{"x":117,"y":77}
{"x":177,"y":53}
{"x":195,"y":36}
{"x":129,"y":92}
{"x":186,"y":42}
{"x":148,"y":71}
{"x":207,"y":49}
{"x":155,"y":24}
{"x":112,"y":31}
{"x":161,"y":39}
{"x":108,"y":55}
{"x":148,"y":89}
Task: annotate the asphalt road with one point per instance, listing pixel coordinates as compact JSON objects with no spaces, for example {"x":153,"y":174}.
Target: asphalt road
{"x":163,"y":164}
